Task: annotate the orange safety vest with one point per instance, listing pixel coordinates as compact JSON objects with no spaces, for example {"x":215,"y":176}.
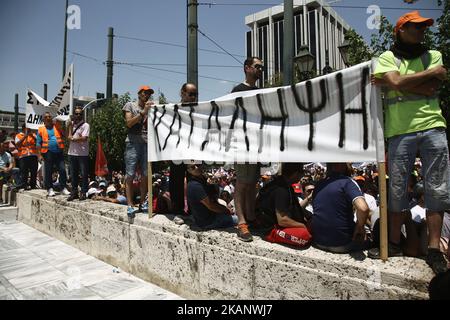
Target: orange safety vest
{"x":44,"y":135}
{"x":28,"y":147}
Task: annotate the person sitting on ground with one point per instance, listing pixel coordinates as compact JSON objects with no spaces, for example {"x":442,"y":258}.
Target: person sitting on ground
{"x":92,"y":192}
{"x":102,"y":186}
{"x":227,"y":200}
{"x":207,"y":214}
{"x":161,"y":200}
{"x":112,"y":196}
{"x":6,"y":167}
{"x":278,"y":210}
{"x":333,"y":226}
{"x":306,"y":199}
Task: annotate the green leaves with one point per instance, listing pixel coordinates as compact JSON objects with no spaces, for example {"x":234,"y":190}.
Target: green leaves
{"x":108,"y":123}
{"x":382,"y":41}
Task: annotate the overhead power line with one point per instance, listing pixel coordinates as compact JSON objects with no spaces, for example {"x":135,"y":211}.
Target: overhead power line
{"x":85,"y":56}
{"x":210,"y":4}
{"x":182,"y":65}
{"x":172,"y":71}
{"x":218,"y":45}
{"x":155,"y":64}
{"x":159,"y":77}
{"x":148,"y":67}
{"x":172,"y":44}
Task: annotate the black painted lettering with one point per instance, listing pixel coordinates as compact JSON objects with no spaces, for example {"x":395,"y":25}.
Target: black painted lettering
{"x":363,"y":111}
{"x":159,"y":122}
{"x":30,"y":98}
{"x":175,"y":115}
{"x":214,"y":111}
{"x":265,"y":118}
{"x":311,"y":109}
{"x":239,"y":103}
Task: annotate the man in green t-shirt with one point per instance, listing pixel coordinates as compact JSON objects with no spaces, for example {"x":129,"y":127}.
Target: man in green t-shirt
{"x":414,"y":123}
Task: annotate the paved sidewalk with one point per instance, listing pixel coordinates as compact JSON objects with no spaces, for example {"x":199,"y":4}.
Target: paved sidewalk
{"x":34,"y":266}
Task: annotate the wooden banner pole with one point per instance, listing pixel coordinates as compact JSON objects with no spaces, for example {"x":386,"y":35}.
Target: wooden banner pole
{"x":383,"y":211}
{"x":150,"y":189}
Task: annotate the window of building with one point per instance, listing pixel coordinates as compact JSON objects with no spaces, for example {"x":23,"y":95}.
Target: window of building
{"x":249,"y":44}
{"x":312,"y":33}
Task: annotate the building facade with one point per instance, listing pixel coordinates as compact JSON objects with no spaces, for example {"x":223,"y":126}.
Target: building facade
{"x":7,"y":121}
{"x":316,"y":25}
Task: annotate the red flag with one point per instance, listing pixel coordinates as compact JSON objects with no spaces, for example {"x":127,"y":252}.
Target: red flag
{"x":101,"y":165}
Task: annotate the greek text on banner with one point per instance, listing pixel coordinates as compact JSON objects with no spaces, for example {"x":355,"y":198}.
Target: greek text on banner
{"x":333,"y":118}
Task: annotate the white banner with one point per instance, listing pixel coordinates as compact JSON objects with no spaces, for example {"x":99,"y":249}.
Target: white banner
{"x":35,"y":109}
{"x":64,"y":99}
{"x":60,"y":107}
{"x":333,"y":118}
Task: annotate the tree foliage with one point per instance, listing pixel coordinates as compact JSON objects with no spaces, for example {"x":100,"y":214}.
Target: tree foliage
{"x":359,"y":51}
{"x":442,"y":39}
{"x":162,"y":98}
{"x":382,"y":41}
{"x":108,"y":123}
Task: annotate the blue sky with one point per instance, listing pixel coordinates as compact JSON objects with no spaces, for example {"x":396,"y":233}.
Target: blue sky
{"x":31,"y":35}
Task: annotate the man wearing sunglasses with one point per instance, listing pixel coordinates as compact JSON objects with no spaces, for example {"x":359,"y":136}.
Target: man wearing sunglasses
{"x":78,"y":135}
{"x":414,"y":123}
{"x":247,"y":174}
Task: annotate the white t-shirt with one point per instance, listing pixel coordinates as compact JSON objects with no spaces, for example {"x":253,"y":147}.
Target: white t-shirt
{"x":80,"y":148}
{"x":371,"y":202}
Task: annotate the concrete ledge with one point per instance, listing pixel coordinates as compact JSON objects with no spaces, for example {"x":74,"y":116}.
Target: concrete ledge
{"x":215,"y":264}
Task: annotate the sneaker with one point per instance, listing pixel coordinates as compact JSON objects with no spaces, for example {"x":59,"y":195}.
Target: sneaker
{"x":82,"y":196}
{"x":72,"y":197}
{"x":243,"y":233}
{"x":51,"y":193}
{"x":393,"y":251}
{"x":178,"y":220}
{"x":131,"y":212}
{"x":144,"y":207}
{"x":65,"y":192}
{"x":436,"y":260}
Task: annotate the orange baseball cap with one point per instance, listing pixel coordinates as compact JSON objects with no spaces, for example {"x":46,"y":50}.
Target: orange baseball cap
{"x":413,"y":17}
{"x":146,"y":88}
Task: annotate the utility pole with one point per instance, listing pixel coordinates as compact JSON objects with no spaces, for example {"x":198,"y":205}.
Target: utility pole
{"x":288,"y":40}
{"x":65,"y":41}
{"x":192,"y":42}
{"x":109,"y":64}
{"x":16,"y":114}
{"x":45,"y":91}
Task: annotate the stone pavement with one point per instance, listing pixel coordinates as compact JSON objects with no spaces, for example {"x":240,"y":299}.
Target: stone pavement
{"x":34,"y":266}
